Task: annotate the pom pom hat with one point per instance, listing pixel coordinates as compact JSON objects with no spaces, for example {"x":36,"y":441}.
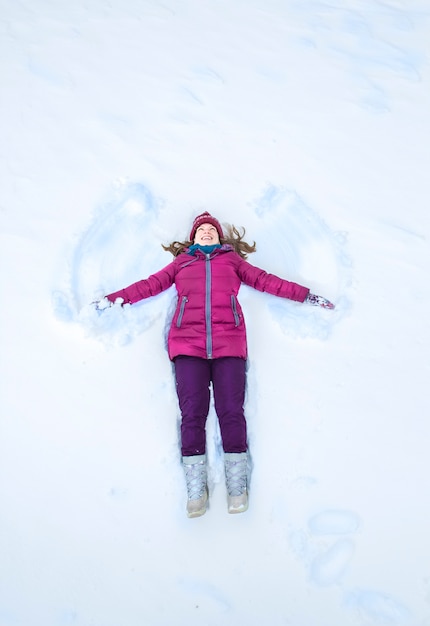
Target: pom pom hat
{"x":205,"y":218}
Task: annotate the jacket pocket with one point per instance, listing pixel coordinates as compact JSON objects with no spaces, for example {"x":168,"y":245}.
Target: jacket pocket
{"x":234,"y":309}
{"x":181,"y":311}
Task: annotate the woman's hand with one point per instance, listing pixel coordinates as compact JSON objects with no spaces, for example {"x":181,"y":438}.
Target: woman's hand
{"x":104,"y":304}
{"x":101,"y":305}
{"x":315,"y":300}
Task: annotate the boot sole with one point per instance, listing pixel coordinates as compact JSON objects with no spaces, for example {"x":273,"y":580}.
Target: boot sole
{"x":198,"y":513}
{"x":239,"y":509}
{"x":201,"y":511}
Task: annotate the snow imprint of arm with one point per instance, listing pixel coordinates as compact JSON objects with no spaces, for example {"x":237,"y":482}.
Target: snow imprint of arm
{"x":118,"y":248}
{"x":296,"y":244}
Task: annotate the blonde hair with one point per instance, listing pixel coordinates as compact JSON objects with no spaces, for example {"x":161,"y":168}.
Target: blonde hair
{"x":232,"y":236}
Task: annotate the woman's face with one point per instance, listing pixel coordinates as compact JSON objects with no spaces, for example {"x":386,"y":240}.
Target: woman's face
{"x":206,"y":235}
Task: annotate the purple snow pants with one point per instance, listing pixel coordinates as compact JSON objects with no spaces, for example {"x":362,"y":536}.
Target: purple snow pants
{"x":193,"y":378}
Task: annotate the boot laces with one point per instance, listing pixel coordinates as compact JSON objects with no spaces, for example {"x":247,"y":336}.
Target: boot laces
{"x":236,"y":477}
{"x":195,"y":475}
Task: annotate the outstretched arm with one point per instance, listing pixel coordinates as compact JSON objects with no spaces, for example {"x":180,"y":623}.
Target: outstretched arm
{"x":270,"y":283}
{"x":155,"y":284}
{"x":262,"y":281}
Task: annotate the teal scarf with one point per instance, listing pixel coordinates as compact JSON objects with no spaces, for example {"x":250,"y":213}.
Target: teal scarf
{"x":205,"y":249}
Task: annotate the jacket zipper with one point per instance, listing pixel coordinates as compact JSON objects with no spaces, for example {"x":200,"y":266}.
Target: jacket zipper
{"x":208,"y":312}
{"x":234,"y":309}
{"x":181,"y":311}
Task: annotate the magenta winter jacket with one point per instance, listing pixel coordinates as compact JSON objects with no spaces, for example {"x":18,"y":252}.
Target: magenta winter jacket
{"x":208,"y":321}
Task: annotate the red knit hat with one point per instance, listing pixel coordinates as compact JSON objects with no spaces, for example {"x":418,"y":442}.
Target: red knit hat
{"x":205,"y":218}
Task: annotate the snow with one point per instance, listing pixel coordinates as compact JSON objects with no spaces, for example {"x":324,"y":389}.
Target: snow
{"x":307,"y":123}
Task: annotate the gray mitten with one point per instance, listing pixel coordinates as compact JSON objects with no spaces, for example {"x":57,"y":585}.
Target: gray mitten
{"x":311,"y":298}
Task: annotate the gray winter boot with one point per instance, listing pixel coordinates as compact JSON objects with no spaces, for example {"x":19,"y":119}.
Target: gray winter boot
{"x":236,"y":469}
{"x":196,"y":477}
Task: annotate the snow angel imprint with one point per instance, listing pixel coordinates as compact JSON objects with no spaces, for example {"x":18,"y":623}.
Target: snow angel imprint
{"x":207,"y":344}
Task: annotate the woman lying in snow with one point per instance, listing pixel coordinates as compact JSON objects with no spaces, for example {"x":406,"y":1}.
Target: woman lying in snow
{"x":207,"y":344}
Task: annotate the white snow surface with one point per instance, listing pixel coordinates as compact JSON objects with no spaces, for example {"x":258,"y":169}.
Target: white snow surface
{"x":307,"y":122}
